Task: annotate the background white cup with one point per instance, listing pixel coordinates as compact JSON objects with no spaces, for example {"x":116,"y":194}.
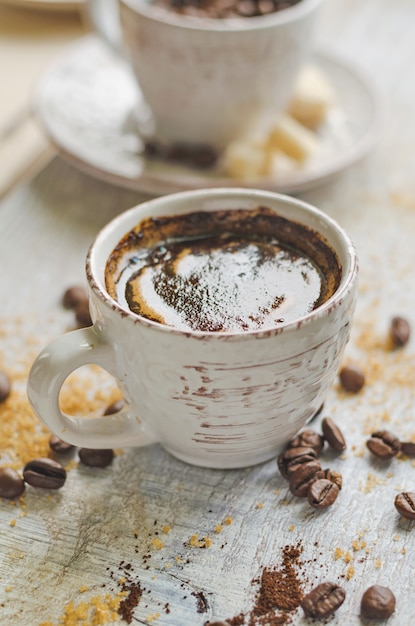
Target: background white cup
{"x":219,"y":400}
{"x":206,"y":80}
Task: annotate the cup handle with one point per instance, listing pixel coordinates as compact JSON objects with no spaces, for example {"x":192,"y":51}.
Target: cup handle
{"x":49,"y":371}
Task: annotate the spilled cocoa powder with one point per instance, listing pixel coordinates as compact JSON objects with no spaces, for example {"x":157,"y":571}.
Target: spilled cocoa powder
{"x":279,"y":594}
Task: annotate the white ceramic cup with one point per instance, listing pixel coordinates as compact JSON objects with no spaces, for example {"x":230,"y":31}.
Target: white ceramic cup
{"x":206,"y":80}
{"x":218,"y":399}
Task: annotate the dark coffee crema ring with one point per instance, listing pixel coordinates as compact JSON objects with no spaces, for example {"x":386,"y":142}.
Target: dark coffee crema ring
{"x":222,"y":271}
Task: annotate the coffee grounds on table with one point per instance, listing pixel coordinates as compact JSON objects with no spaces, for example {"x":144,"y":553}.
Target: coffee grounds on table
{"x":279,"y":595}
{"x":131,"y":600}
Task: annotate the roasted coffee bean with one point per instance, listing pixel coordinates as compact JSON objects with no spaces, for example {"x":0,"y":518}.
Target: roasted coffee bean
{"x":405,"y":504}
{"x":308,"y":438}
{"x":59,"y":446}
{"x":384,"y":444}
{"x":114,"y":407}
{"x":299,"y":462}
{"x":96,"y":458}
{"x":400,"y":331}
{"x":5,"y":386}
{"x":323,"y":600}
{"x":74,"y":296}
{"x":217,"y":624}
{"x":44,"y":473}
{"x":334,"y":477}
{"x":302,"y":478}
{"x":322,"y":493}
{"x":377,"y":602}
{"x":11,"y":483}
{"x":289,"y":460}
{"x":408,"y":448}
{"x":333,"y":435}
{"x":352,"y":378}
{"x":83,"y":315}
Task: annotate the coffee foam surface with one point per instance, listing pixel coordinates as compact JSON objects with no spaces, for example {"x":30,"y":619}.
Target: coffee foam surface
{"x":222,"y":271}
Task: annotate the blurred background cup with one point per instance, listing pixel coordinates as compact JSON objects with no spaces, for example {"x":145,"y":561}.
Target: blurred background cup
{"x":207,"y":80}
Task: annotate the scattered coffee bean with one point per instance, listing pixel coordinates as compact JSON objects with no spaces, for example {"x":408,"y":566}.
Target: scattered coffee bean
{"x":74,"y":296}
{"x":377,"y":602}
{"x":352,"y":378}
{"x":289,"y":460}
{"x":11,"y":483}
{"x":114,"y":407}
{"x":96,"y":458}
{"x":323,"y":600}
{"x":5,"y":386}
{"x":322,"y":493}
{"x":408,"y":448}
{"x":405,"y":504}
{"x":334,"y":477}
{"x":83,"y":315}
{"x":308,"y":438}
{"x":302,"y":478}
{"x":217,"y":624}
{"x":333,"y":435}
{"x":59,"y":446}
{"x":76,"y":299}
{"x":400,"y":331}
{"x":44,"y":473}
{"x":383,"y":444}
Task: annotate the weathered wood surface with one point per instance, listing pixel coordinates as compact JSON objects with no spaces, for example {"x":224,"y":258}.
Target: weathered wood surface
{"x":59,"y":543}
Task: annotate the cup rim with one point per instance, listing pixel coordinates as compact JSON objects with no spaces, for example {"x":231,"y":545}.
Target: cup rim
{"x":237,"y":24}
{"x":95,"y":268}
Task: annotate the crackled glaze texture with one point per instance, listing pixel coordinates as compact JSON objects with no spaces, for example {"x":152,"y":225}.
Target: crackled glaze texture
{"x":213,"y":399}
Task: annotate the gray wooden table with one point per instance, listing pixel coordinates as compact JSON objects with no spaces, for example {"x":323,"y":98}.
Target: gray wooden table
{"x":195,"y":538}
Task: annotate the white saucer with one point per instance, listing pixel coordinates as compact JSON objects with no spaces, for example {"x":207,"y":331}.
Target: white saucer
{"x":88,"y":104}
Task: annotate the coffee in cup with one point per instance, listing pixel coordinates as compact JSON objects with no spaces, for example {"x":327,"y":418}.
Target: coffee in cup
{"x":222,"y":271}
{"x":225,"y":9}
